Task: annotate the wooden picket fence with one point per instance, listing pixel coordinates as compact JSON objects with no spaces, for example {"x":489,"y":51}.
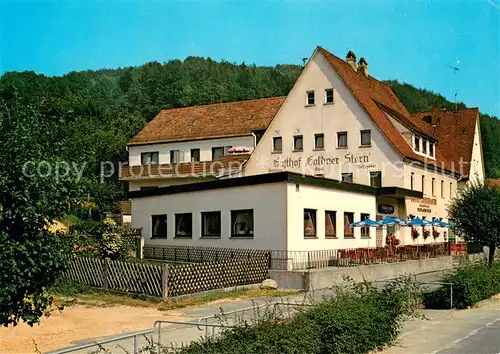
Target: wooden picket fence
{"x":136,"y":277}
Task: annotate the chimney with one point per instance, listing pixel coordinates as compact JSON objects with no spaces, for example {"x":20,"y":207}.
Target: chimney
{"x":363,"y":66}
{"x":350,"y":58}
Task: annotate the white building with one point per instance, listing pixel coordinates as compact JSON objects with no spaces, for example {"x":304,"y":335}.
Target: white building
{"x":291,"y":173}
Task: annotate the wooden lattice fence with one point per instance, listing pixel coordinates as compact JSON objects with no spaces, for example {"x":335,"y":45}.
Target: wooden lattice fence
{"x":193,"y":278}
{"x":196,"y":254}
{"x":86,"y":270}
{"x":217,"y":269}
{"x":134,"y":277}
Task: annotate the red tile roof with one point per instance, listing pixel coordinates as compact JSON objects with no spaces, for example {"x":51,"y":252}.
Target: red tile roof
{"x":209,"y":121}
{"x":454,"y":131}
{"x":373,"y":95}
{"x":377,"y":99}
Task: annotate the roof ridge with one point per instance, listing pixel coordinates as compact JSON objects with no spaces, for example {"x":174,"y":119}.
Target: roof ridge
{"x":446,"y":110}
{"x":224,"y":103}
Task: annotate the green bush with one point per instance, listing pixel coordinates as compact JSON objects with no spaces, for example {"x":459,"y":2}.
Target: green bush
{"x":358,"y":319}
{"x":471,"y":283}
{"x":68,"y":287}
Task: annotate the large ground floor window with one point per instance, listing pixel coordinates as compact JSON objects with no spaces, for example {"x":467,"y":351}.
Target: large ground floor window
{"x":159,"y":226}
{"x":348,"y":229}
{"x":211,"y":224}
{"x":242,"y":223}
{"x":184,"y":225}
{"x":330,"y":224}
{"x":309,"y":223}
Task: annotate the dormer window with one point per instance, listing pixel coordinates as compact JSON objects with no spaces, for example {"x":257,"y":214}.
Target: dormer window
{"x":431,"y":149}
{"x":417,"y":143}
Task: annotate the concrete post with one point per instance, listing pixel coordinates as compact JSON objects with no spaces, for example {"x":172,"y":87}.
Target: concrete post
{"x":164,"y":281}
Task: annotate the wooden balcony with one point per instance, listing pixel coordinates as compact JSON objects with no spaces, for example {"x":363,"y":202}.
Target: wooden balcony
{"x":226,"y":164}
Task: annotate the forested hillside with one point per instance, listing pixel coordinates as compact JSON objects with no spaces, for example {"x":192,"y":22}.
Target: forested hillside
{"x":93,"y":114}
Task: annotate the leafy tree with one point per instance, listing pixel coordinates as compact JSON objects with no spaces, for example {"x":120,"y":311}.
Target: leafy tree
{"x":476,"y":211}
{"x":33,"y":192}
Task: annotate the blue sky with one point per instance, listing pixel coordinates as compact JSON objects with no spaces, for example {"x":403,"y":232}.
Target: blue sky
{"x":406,"y":40}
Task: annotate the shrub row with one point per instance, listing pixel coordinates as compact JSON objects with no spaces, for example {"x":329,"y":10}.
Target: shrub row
{"x":471,"y":284}
{"x":357,"y":320}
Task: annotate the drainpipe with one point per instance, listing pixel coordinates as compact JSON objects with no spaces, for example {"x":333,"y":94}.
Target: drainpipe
{"x":254,"y":140}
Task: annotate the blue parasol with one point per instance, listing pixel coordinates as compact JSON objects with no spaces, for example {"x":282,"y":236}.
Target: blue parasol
{"x":389,"y":221}
{"x":365,"y":223}
{"x":435,"y":222}
{"x":417,"y":222}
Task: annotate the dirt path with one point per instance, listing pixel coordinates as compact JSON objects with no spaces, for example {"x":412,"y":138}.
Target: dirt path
{"x":75,"y":323}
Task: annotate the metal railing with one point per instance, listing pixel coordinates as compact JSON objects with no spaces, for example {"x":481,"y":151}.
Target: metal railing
{"x":238,"y":315}
{"x":315,"y":259}
{"x":157,"y":343}
{"x":134,"y":336}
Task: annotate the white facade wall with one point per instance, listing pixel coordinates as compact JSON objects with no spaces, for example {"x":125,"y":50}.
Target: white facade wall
{"x":268,"y":202}
{"x":345,"y":114}
{"x":278,"y":216}
{"x":477,"y":163}
{"x":432,"y":205}
{"x":321,"y":199}
{"x":185,"y":147}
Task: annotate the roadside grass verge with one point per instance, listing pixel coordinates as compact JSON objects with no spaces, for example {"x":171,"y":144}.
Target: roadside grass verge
{"x":357,"y":318}
{"x":472,"y":283}
{"x":70,"y":293}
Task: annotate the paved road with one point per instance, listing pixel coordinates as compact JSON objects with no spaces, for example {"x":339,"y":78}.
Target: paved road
{"x":175,"y":334}
{"x":470,"y":331}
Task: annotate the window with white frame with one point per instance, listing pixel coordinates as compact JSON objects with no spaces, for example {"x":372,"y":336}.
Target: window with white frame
{"x":330,"y":224}
{"x":348,"y":229}
{"x":277,"y":144}
{"x":347,"y":177}
{"x":366,"y":137}
{"x":423,"y":184}
{"x":319,"y":141}
{"x":342,"y":139}
{"x":309,"y":223}
{"x":310,"y":98}
{"x":442,"y":189}
{"x":217,"y":152}
{"x":298,"y":143}
{"x":417,"y":143}
{"x":195,"y":155}
{"x":175,"y":156}
{"x":365,"y":231}
{"x":433,"y":187}
{"x":424,"y":146}
{"x":376,"y":179}
{"x":329,"y":95}
{"x":150,"y":158}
